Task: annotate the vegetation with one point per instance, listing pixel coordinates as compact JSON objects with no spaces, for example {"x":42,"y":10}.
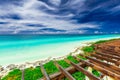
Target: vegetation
{"x":102,"y":41}
{"x":81,"y":57}
{"x":96,"y":73}
{"x":77,"y":75}
{"x":50,"y":67}
{"x":72,"y":59}
{"x":33,"y":73}
{"x":13,"y":75}
{"x":88,"y":49}
{"x":63,"y":63}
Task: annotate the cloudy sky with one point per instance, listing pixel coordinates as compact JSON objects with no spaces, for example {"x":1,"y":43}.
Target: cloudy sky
{"x":59,"y":16}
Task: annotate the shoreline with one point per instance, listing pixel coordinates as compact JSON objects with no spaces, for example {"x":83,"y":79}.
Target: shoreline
{"x":33,"y":64}
{"x":20,"y":55}
{"x":21,"y":66}
{"x":72,"y":48}
{"x":82,"y":44}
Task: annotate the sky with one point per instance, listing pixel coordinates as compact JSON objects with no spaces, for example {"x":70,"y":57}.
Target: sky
{"x":59,"y":16}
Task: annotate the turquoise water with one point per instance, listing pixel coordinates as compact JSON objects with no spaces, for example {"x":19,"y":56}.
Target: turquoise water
{"x":22,"y":48}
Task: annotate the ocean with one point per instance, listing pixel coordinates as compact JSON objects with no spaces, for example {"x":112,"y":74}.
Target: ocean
{"x":15,"y":49}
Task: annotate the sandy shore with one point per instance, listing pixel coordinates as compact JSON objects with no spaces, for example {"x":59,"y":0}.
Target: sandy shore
{"x":7,"y":68}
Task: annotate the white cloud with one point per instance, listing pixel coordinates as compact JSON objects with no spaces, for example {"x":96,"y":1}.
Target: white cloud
{"x":55,"y":2}
{"x":30,"y":13}
{"x":114,"y":10}
{"x":99,"y":32}
{"x":96,"y":32}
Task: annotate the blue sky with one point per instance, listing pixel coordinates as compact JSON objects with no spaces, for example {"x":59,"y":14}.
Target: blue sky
{"x":59,"y":16}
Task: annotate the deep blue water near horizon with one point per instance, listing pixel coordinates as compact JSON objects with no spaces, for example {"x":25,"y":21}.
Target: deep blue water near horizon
{"x":14,"y":37}
{"x":26,"y":45}
{"x":9,"y":41}
{"x":20,"y":41}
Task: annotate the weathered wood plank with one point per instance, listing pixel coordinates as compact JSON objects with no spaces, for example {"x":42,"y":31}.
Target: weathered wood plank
{"x":59,"y":75}
{"x":109,"y":55}
{"x":22,"y":74}
{"x":102,"y":63}
{"x":101,"y":69}
{"x":108,"y":52}
{"x":88,"y":74}
{"x":106,"y":59}
{"x":44,"y":72}
{"x":68,"y":75}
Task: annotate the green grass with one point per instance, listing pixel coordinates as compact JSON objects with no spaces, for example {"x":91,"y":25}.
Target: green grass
{"x":77,"y":75}
{"x":96,"y":73}
{"x":72,"y":59}
{"x":102,"y":41}
{"x":13,"y":75}
{"x":88,"y":49}
{"x":33,"y":73}
{"x":81,"y":57}
{"x":50,"y":67}
{"x":30,"y":74}
{"x":63,"y":63}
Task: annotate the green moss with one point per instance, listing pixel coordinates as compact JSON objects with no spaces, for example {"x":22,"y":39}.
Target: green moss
{"x":13,"y":75}
{"x":32,"y":73}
